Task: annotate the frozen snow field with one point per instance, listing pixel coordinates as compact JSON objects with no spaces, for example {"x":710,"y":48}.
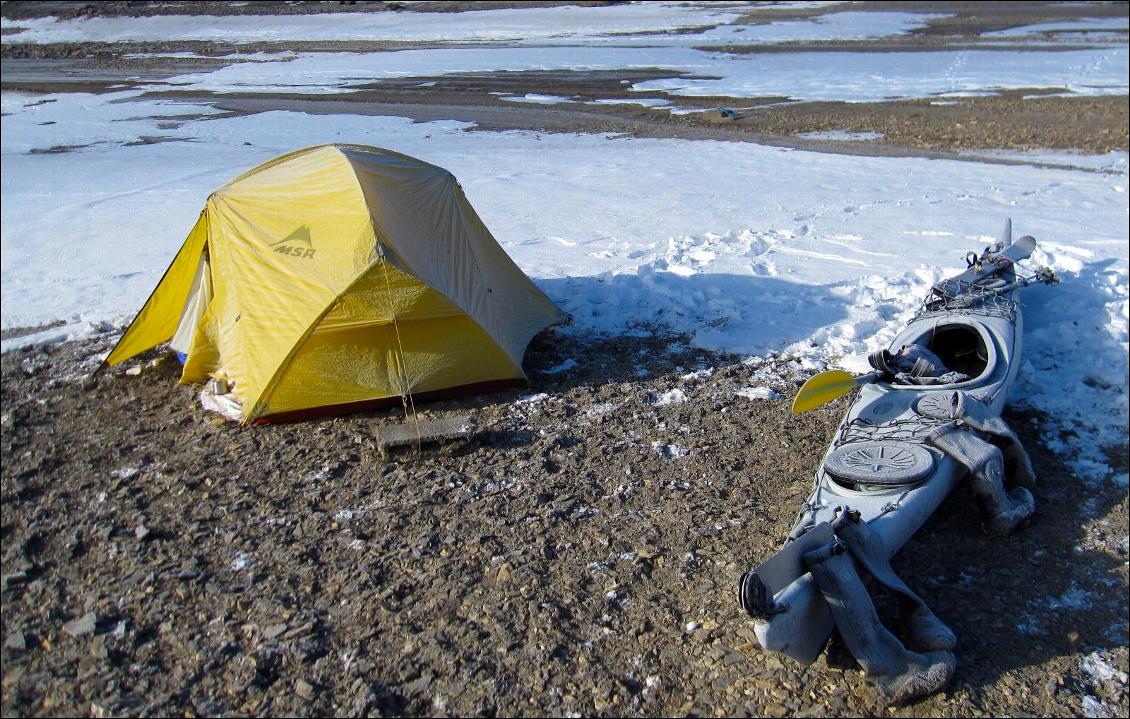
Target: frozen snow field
{"x":745,"y":248}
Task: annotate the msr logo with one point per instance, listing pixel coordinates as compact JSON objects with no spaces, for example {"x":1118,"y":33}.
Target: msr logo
{"x":296,"y":244}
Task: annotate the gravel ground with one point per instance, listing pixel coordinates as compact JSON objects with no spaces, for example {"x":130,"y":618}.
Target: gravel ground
{"x":577,"y":555}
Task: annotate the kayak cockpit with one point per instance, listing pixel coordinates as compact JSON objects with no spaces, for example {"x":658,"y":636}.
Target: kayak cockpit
{"x":961,"y":348}
{"x":954,"y":354}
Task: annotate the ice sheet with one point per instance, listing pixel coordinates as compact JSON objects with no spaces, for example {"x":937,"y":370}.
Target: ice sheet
{"x":847,"y":76}
{"x":650,"y":23}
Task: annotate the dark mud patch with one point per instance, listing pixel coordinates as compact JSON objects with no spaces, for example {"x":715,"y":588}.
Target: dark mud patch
{"x":57,"y":149}
{"x":68,"y":9}
{"x":13,"y":332}
{"x":157,"y":139}
{"x":1015,"y":120}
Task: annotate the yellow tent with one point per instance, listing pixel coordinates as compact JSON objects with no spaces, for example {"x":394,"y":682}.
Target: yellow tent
{"x":336,"y":276}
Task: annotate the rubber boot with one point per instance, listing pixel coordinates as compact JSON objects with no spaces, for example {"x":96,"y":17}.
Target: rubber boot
{"x":1022,"y":474}
{"x":896,"y":674}
{"x":979,"y":417}
{"x":921,"y":628}
{"x":1003,"y":511}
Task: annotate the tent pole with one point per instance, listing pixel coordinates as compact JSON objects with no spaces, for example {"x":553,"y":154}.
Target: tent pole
{"x":402,"y":371}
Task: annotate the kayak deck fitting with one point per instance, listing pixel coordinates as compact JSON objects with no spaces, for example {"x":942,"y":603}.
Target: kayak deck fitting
{"x":928,"y":416}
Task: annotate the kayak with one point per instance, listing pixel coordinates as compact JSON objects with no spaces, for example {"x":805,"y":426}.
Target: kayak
{"x":928,"y":416}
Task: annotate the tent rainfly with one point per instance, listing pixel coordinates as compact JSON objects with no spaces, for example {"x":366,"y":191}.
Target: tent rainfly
{"x":337,"y":276}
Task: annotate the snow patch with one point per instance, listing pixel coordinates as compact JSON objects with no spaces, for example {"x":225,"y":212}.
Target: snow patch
{"x":672,"y":396}
{"x":841,"y":136}
{"x":565,"y":366}
{"x":1100,"y":670}
{"x":670,"y":451}
{"x":758,"y":393}
{"x":241,"y":561}
{"x":1075,"y":599}
{"x":535,"y":98}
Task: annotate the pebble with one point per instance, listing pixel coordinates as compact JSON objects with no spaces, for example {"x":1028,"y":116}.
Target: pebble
{"x":81,"y":626}
{"x":419,"y":685}
{"x":13,"y":579}
{"x":273,"y":631}
{"x":304,"y":689}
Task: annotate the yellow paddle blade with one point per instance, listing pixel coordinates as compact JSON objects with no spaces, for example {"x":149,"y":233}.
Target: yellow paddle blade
{"x":821,"y":389}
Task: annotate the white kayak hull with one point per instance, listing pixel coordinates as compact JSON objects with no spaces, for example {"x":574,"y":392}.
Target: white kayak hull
{"x":884,"y":434}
